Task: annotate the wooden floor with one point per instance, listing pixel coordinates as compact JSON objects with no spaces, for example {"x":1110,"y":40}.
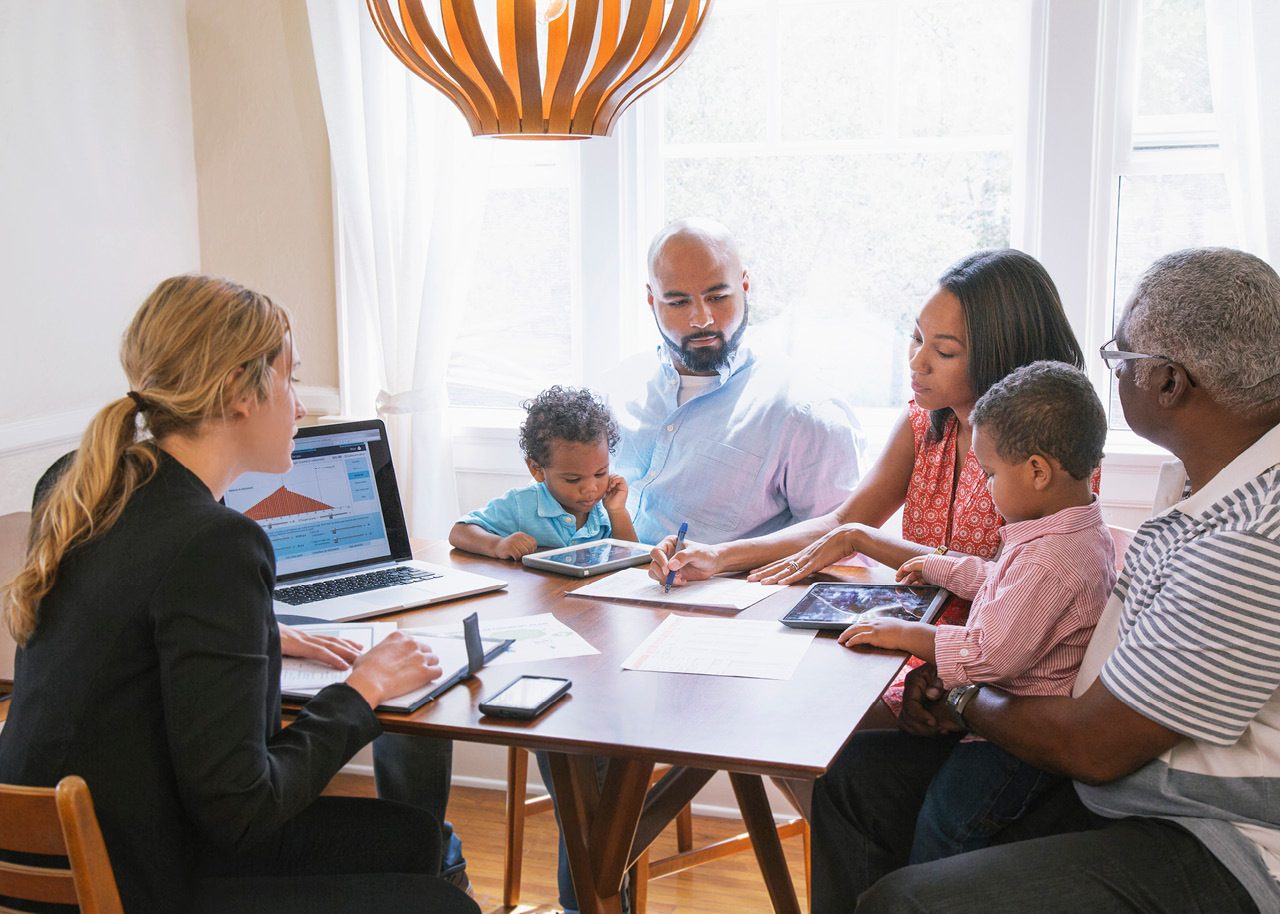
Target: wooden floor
{"x":729,"y":886}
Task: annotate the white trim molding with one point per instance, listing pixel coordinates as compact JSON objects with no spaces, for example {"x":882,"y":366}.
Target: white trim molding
{"x":67,"y":427}
{"x":44,"y":431}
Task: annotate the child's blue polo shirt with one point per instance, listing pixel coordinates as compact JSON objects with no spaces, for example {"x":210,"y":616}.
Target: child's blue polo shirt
{"x":534,"y":510}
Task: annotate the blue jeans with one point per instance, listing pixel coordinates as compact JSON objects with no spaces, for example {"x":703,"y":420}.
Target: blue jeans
{"x":979,"y":790}
{"x":864,"y":820}
{"x":418,"y":770}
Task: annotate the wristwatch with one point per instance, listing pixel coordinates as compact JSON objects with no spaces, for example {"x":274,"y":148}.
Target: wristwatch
{"x":958,"y":699}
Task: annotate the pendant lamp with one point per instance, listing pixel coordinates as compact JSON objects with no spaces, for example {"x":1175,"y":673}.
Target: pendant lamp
{"x":564,"y":69}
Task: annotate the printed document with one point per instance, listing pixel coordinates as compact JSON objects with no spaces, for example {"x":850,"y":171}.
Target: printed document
{"x":722,"y":647}
{"x":537,"y":637}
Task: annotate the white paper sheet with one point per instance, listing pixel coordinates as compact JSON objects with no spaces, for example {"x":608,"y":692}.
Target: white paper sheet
{"x":538,"y":637}
{"x":722,"y":647}
{"x":297,"y":674}
{"x":713,"y":593}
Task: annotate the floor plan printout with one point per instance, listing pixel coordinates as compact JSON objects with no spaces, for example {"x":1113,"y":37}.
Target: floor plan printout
{"x":538,"y":637}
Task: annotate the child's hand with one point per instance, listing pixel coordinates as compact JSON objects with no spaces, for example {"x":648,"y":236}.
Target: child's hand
{"x":886,"y":633}
{"x":892,"y":634}
{"x":615,"y":496}
{"x":515,"y":547}
{"x":912,"y":571}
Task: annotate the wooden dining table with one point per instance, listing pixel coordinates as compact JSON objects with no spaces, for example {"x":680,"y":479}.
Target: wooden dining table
{"x":699,"y":724}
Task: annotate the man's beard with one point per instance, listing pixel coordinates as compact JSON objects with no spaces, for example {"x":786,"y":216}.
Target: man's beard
{"x":708,"y":358}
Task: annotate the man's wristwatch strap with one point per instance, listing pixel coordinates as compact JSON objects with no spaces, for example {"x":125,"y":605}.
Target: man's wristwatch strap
{"x":958,"y":699}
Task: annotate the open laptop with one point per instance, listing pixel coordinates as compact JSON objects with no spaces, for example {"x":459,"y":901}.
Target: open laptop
{"x":335,"y":520}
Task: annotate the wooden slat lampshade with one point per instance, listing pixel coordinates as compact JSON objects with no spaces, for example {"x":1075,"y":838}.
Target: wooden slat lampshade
{"x":563,"y":69}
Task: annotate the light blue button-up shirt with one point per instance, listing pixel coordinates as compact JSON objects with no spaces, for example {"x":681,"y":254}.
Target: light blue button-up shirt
{"x":535,"y":511}
{"x":751,"y":455}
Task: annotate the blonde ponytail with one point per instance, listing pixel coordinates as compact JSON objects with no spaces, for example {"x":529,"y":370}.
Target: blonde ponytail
{"x":196,"y":345}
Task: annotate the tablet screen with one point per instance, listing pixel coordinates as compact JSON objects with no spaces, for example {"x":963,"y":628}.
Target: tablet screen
{"x":596,"y":554}
{"x":842,"y":604}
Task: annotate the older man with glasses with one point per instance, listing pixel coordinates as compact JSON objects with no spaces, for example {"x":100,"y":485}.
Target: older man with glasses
{"x":1172,"y":736}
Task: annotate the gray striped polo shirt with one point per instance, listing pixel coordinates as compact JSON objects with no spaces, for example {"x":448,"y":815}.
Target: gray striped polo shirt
{"x":1191,"y":640}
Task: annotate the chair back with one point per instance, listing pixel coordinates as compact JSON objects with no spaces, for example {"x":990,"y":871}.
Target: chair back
{"x":1122,"y":537}
{"x":56,"y":822}
{"x":13,"y":548}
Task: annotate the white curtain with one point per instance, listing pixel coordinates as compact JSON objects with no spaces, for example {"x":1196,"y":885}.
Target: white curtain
{"x":1245,"y":76}
{"x":408,"y":182}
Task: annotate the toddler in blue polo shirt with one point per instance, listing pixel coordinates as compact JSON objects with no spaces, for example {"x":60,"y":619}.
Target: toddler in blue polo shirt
{"x":566,"y":437}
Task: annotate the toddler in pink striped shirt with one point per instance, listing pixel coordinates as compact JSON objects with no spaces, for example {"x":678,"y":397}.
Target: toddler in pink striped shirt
{"x":1038,"y":434}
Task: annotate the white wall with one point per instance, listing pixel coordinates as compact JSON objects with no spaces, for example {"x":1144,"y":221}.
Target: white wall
{"x":98,"y":183}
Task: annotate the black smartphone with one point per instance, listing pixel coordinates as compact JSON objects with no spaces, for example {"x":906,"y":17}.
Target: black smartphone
{"x":527,"y":697}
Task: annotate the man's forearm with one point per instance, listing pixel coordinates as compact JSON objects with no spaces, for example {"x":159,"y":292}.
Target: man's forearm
{"x":1093,"y":738}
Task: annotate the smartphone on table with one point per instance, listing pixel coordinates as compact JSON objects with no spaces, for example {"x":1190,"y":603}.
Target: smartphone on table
{"x":525,"y":698}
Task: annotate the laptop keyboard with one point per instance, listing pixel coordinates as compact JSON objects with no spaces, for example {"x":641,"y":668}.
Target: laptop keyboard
{"x":356,"y":583}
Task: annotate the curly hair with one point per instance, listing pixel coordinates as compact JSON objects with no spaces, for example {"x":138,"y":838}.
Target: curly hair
{"x":565,"y":414}
{"x":1045,"y":408}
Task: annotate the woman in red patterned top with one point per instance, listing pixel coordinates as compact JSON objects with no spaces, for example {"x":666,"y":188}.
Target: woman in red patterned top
{"x":992,"y":312}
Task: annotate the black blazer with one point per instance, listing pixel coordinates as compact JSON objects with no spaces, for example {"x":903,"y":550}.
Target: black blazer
{"x":154,"y":674}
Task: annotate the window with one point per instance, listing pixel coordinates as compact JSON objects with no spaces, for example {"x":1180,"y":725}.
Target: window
{"x":1169,"y":185}
{"x":519,"y":330}
{"x":856,"y":149}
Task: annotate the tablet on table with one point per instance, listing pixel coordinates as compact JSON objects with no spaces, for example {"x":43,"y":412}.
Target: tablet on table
{"x":587,"y":559}
{"x":833,"y":606}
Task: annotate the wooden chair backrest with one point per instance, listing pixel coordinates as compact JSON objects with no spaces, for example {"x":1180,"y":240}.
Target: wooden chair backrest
{"x":13,"y":548}
{"x":56,"y":822}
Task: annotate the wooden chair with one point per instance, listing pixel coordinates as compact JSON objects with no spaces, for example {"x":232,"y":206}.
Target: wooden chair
{"x":56,"y":822}
{"x":13,"y":548}
{"x":519,"y":807}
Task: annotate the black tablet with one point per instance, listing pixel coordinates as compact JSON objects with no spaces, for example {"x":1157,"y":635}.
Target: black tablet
{"x":834,"y":606}
{"x":590,"y":558}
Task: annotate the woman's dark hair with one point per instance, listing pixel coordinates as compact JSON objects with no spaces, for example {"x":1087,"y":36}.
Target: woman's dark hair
{"x":1013,"y":316}
{"x":565,"y":414}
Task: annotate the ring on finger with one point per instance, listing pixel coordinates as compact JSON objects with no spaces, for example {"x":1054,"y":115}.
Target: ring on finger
{"x":793,"y":565}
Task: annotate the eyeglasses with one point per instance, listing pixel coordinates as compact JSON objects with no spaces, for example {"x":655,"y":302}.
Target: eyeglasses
{"x":1113,"y":357}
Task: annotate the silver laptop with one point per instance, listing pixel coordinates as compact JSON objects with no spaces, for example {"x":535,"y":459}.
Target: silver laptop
{"x":335,"y":520}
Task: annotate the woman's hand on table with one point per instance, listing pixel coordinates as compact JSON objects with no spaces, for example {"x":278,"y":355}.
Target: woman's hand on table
{"x":397,"y":665}
{"x":694,"y":561}
{"x":822,"y":552}
{"x":338,"y":653}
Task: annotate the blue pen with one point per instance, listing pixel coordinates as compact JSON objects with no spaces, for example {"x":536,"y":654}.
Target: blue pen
{"x":671,"y":575}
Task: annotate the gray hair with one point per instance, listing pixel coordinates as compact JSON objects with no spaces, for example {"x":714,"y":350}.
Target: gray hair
{"x":709,"y":232}
{"x":1215,"y":311}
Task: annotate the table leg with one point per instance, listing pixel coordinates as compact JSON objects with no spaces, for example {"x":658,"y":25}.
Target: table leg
{"x":598,"y":835}
{"x":754,"y":805}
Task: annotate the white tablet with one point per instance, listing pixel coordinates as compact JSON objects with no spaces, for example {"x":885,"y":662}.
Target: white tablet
{"x":590,"y":558}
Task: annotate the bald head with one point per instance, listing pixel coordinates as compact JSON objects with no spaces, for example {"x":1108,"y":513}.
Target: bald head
{"x":698,"y":292}
{"x":695,"y":234}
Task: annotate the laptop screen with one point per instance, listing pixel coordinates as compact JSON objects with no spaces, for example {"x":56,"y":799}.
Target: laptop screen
{"x":327,"y":513}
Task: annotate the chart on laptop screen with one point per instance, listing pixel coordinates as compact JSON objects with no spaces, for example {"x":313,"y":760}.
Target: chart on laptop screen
{"x":323,"y":512}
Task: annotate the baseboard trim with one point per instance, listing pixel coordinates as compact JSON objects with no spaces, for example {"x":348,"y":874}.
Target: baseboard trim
{"x":462,"y":780}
